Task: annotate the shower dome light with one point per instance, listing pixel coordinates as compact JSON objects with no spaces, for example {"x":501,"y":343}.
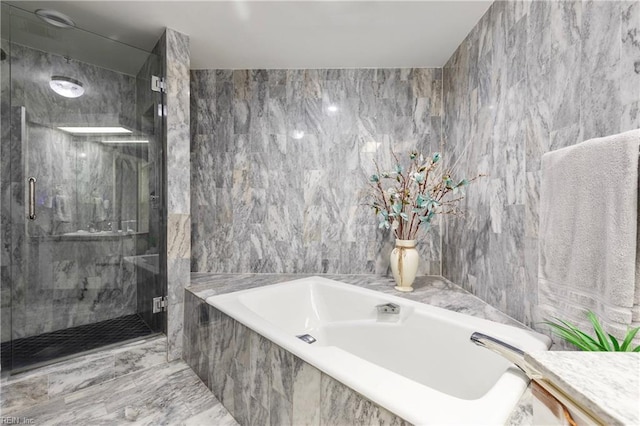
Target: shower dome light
{"x":55,"y":18}
{"x":66,"y":86}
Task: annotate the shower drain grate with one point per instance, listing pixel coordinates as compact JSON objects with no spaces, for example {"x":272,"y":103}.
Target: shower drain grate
{"x":56,"y":344}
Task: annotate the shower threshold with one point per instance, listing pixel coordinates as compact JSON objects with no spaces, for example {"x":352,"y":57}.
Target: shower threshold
{"x":36,"y":351}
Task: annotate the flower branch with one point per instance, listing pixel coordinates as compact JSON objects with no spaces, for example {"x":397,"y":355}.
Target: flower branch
{"x":408,"y":198}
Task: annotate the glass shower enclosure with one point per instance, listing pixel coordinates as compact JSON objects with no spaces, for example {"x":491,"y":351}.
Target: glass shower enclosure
{"x":80,"y":176}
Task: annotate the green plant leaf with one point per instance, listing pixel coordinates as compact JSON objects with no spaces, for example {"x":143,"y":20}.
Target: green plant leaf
{"x":614,"y":341}
{"x":576,"y":340}
{"x":629,"y":337}
{"x":574,"y":336}
{"x":637,"y":349}
{"x":584,"y":336}
{"x":375,"y":178}
{"x":604,"y":342}
{"x":436,"y":157}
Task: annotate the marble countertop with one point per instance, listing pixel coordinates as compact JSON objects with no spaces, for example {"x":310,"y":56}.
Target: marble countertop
{"x":606,"y":383}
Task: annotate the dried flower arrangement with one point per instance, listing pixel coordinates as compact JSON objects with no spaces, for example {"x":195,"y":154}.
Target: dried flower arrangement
{"x":410,"y":197}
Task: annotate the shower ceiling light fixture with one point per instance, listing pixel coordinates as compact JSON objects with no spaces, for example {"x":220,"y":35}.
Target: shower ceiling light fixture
{"x":95,"y":130}
{"x":66,"y":86}
{"x":126,"y":141}
{"x":55,"y":18}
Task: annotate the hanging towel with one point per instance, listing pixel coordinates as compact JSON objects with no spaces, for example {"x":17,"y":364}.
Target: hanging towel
{"x":99,"y":213}
{"x":589,"y":233}
{"x":60,"y":208}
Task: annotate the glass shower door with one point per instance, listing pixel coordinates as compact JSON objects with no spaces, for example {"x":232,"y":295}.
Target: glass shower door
{"x":83,"y":220}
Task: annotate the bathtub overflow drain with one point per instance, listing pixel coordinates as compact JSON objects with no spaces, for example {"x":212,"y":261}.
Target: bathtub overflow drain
{"x":307,"y":338}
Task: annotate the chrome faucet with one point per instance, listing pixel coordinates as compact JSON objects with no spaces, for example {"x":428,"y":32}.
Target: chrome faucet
{"x":388,"y":308}
{"x":511,"y":353}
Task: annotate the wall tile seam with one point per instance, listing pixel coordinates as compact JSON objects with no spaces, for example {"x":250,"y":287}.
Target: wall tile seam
{"x":442,"y":122}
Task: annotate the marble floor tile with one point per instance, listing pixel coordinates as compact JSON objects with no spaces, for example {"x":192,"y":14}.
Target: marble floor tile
{"x":80,"y":376}
{"x":141,"y":357}
{"x":167,"y":394}
{"x":213,"y":416}
{"x":19,"y":395}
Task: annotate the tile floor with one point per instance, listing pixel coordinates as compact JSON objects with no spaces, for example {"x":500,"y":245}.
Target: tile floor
{"x":164,"y":394}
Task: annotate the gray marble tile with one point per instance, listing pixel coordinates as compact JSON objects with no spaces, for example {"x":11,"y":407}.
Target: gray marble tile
{"x":178,"y":275}
{"x":81,"y":375}
{"x":138,"y":358}
{"x":241,"y":394}
{"x":280,"y":410}
{"x":24,"y":393}
{"x":339,"y":405}
{"x":281,"y":371}
{"x":258,"y":414}
{"x":213,"y":416}
{"x":566,"y":25}
{"x":305,"y":394}
{"x":174,"y":48}
{"x":55,"y":413}
{"x":579,"y":79}
{"x":265,"y":162}
{"x":259,"y":369}
{"x":629,"y":66}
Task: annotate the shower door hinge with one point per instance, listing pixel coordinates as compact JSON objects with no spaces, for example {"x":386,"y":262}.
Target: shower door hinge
{"x":158,"y":84}
{"x":159,"y":304}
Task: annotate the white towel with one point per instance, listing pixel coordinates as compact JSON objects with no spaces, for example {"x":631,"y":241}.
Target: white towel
{"x":589,"y":233}
{"x":60,"y":207}
{"x":99,"y":213}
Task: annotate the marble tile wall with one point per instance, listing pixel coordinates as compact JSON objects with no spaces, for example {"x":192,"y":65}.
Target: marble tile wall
{"x":280,"y":161}
{"x":531,"y":77}
{"x":5,"y":197}
{"x":74,"y":281}
{"x":260,"y":383}
{"x":174,"y":48}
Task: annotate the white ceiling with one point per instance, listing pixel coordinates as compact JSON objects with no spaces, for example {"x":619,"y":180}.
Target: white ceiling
{"x":287,"y":34}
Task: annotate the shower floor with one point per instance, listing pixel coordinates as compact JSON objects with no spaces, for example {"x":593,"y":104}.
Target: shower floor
{"x":61,"y":343}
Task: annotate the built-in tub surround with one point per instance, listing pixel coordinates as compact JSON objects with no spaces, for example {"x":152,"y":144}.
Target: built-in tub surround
{"x":355,"y":407}
{"x":280,"y":160}
{"x":531,"y":77}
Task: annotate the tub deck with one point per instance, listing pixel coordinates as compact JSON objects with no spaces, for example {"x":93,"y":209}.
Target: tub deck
{"x":432,"y":290}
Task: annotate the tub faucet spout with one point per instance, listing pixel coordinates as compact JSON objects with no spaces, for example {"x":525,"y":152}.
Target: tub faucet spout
{"x":388,"y":308}
{"x":511,"y":353}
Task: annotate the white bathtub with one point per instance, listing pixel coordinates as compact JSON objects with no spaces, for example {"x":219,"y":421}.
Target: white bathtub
{"x":419,"y":364}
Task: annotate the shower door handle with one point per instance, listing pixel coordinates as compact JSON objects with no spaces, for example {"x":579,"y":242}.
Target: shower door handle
{"x":32,"y":198}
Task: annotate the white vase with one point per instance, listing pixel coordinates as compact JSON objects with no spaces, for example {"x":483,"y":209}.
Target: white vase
{"x":404,"y":264}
